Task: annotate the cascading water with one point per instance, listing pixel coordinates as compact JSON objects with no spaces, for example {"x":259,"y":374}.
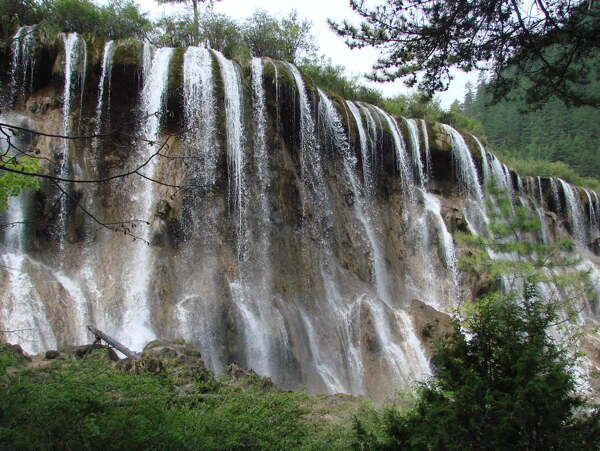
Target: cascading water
{"x":403,"y":166}
{"x":485,"y":164}
{"x":575,"y":212}
{"x":555,"y":195}
{"x":200,"y":115}
{"x":593,"y":212}
{"x":329,"y":283}
{"x":364,"y":146}
{"x":498,"y":173}
{"x":236,"y":160}
{"x":104,"y":85}
{"x":74,"y":69}
{"x":369,"y":153}
{"x":21,"y":309}
{"x":136,"y":328}
{"x":316,"y":198}
{"x":399,"y":356}
{"x":466,"y":171}
{"x":427,"y":150}
{"x":417,"y":163}
{"x":23,"y":61}
{"x":434,"y":209}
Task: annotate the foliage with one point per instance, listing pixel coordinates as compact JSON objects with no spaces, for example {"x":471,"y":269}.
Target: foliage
{"x":544,"y":168}
{"x":287,"y":38}
{"x":219,"y":31}
{"x":11,"y":183}
{"x":194,"y":30}
{"x":90,"y":404}
{"x":17,"y":12}
{"x":333,"y":78}
{"x":547,"y":43}
{"x":502,"y":379}
{"x":554,"y":133}
{"x":117,"y":20}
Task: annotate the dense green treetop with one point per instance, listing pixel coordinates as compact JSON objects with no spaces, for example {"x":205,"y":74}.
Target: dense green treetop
{"x":549,"y":43}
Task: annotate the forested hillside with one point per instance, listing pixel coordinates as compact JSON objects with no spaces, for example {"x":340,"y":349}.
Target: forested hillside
{"x":554,"y":133}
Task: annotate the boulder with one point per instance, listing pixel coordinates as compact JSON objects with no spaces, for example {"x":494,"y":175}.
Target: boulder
{"x":430,"y":324}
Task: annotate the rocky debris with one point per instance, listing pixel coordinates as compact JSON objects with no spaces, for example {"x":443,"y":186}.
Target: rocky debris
{"x":177,"y":358}
{"x":455,"y":220}
{"x":430,"y":324}
{"x":250,"y":377}
{"x":52,"y":355}
{"x":18,"y":351}
{"x":81,"y":351}
{"x":41,"y":105}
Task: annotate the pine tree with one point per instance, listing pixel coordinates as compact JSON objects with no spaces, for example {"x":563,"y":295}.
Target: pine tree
{"x":503,"y":379}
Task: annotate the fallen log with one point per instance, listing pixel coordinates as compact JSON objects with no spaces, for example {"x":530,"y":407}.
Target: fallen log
{"x":114,"y":343}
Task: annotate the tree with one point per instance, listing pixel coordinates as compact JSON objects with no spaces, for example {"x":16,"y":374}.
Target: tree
{"x":196,"y":13}
{"x":503,"y":380}
{"x":282,"y":38}
{"x":550,"y":44}
{"x":17,"y":12}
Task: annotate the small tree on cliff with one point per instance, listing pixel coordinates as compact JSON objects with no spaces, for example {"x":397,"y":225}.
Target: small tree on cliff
{"x":503,"y":379}
{"x":196,"y":13}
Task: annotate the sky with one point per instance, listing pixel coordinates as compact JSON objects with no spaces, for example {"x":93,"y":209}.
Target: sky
{"x":357,"y":61}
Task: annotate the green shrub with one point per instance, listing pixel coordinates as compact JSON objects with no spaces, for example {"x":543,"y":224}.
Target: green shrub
{"x":89,"y":404}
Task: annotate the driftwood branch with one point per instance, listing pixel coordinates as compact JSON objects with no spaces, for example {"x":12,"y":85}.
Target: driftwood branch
{"x":114,"y":343}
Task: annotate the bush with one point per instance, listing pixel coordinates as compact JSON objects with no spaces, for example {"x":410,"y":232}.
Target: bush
{"x":332,"y":78}
{"x":90,"y":404}
{"x":502,"y":379}
{"x":118,"y":20}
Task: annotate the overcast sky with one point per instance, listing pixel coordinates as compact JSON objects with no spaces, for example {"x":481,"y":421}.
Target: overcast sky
{"x":357,"y":61}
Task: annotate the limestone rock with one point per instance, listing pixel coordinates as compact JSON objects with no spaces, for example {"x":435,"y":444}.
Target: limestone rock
{"x":430,"y":324}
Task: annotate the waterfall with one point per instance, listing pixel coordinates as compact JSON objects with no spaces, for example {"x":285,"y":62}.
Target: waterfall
{"x":74,"y":68}
{"x":21,"y":309}
{"x":428,"y":163}
{"x":417,"y":163}
{"x":200,"y":115}
{"x":399,"y":356}
{"x":520,"y":186}
{"x":497,"y":173}
{"x":467,"y":174}
{"x":253,"y":291}
{"x":485,"y":164}
{"x":147,"y":55}
{"x":575,"y":212}
{"x":555,"y":195}
{"x":364,"y":147}
{"x":22,"y":63}
{"x":236,"y":160}
{"x":137,"y":323}
{"x":593,"y":212}
{"x":284,"y":251}
{"x":316,"y":197}
{"x":261,"y":157}
{"x":104,"y":85}
{"x":310,"y":157}
{"x":369,"y":153}
{"x":400,"y":149}
{"x":434,"y":208}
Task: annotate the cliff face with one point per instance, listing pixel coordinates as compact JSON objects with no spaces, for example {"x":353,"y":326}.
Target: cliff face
{"x":301,"y":235}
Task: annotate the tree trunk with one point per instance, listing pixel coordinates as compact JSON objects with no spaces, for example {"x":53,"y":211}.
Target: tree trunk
{"x":196,"y":23}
